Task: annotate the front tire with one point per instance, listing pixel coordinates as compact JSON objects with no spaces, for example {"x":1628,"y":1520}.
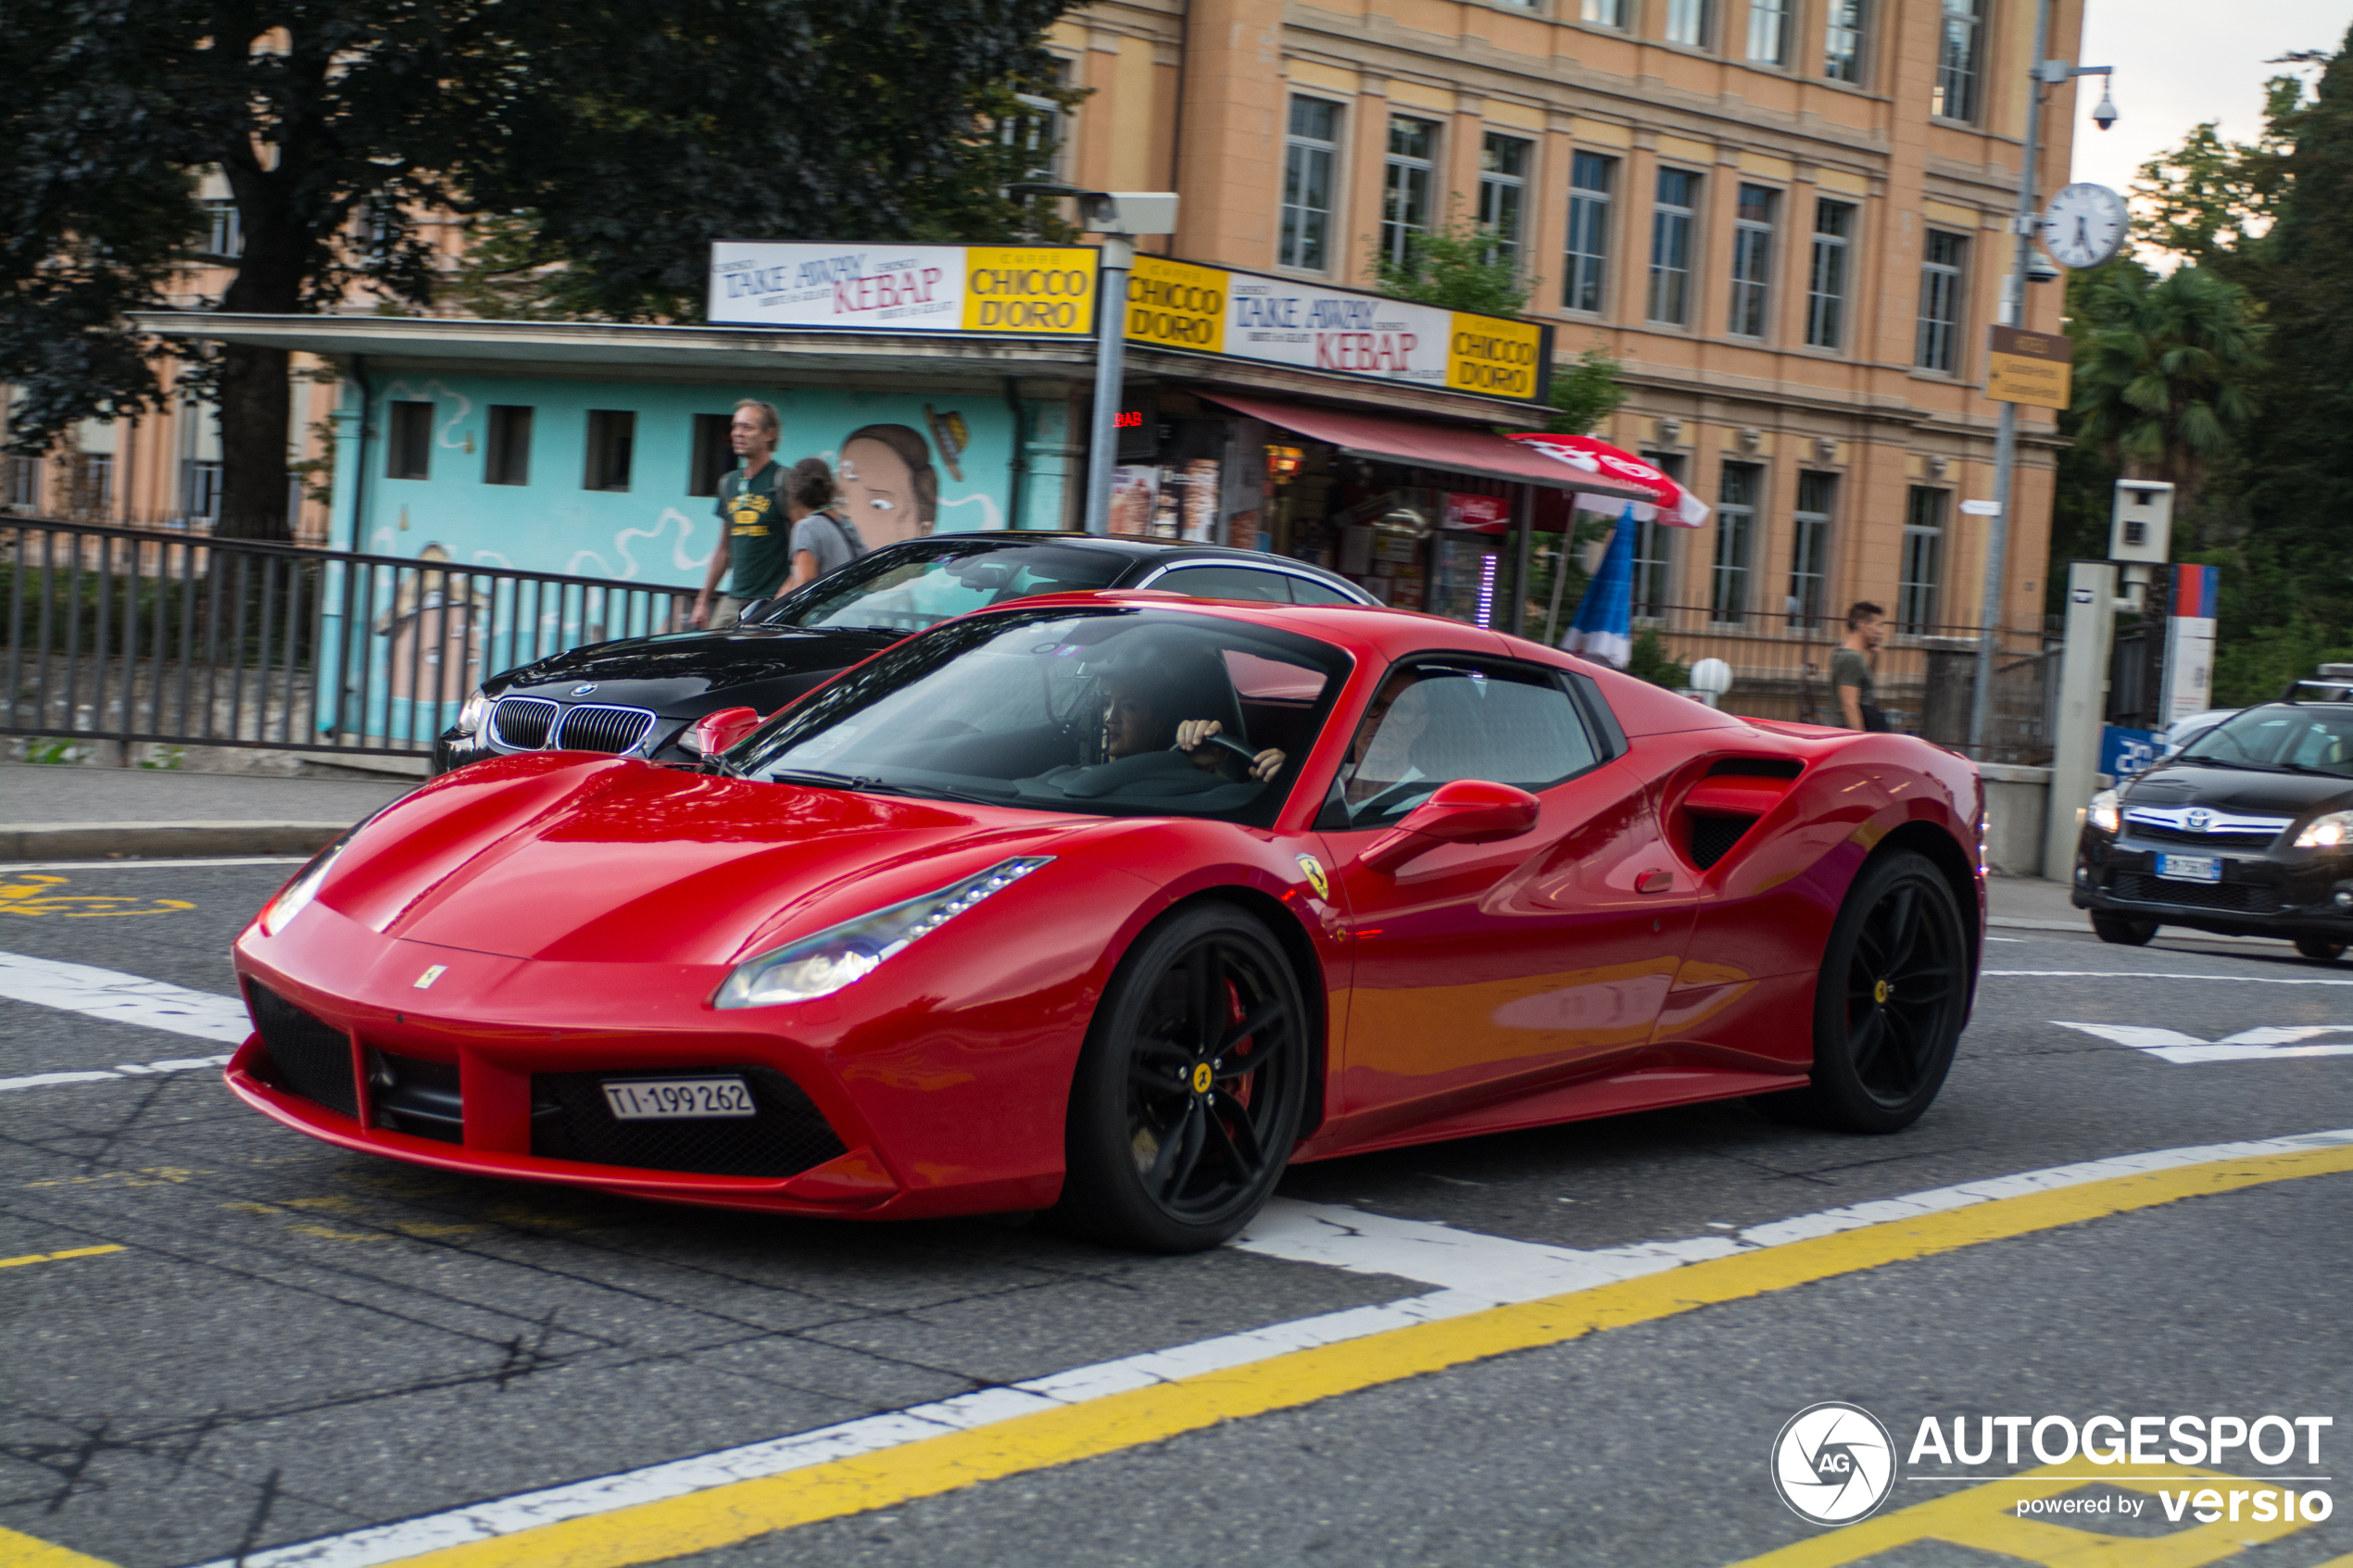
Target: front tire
{"x":1189,"y":1093}
{"x":1889,"y":1006}
{"x":2320,"y":948}
{"x":2123,"y":932}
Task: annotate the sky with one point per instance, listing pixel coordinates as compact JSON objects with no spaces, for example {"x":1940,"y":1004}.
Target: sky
{"x":2179,"y":62}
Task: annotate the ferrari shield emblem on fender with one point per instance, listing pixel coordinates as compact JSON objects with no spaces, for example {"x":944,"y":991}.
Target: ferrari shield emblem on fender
{"x":1314,"y":871}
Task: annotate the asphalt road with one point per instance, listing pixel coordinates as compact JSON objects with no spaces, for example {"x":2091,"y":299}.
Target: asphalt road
{"x":283,"y":1343}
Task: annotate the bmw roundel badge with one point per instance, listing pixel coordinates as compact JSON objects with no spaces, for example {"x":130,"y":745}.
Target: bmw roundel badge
{"x":583,"y":689}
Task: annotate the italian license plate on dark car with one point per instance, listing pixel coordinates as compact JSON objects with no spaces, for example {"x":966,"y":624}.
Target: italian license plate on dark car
{"x":2190,"y":868}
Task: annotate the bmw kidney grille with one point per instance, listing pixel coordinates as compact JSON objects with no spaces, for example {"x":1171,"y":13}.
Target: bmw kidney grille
{"x":531,"y":723}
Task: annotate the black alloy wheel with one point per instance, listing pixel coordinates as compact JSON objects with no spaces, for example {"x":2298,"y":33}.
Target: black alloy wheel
{"x":1188,"y":1097}
{"x":2121,"y":930}
{"x":1888,"y":1008}
{"x":2326,"y":950}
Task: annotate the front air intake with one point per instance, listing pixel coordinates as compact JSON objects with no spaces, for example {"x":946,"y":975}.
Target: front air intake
{"x":570,"y":1120}
{"x":308,"y":1055}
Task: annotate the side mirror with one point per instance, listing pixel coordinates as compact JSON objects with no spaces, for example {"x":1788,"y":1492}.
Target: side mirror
{"x":715,"y":732}
{"x":753,"y":609}
{"x":1464,"y":811}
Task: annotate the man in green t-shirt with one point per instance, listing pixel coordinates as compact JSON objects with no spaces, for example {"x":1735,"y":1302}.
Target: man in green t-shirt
{"x":1851,"y":667}
{"x":754,"y":533}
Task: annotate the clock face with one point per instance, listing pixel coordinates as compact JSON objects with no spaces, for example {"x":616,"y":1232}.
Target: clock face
{"x":2084,"y":225}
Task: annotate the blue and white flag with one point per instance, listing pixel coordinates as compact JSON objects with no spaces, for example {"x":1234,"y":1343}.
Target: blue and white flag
{"x":1603,"y":627}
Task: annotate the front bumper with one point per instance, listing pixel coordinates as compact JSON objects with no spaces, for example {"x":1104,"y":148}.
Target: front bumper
{"x":492,"y":1068}
{"x":2279,"y":892}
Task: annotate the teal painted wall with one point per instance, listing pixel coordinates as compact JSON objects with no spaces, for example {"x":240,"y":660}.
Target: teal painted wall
{"x":655,"y":531}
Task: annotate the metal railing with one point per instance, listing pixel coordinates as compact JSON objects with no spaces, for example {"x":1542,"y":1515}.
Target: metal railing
{"x":1924,"y":675}
{"x":132,"y":635}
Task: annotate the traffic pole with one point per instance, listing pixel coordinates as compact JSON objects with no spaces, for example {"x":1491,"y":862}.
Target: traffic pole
{"x":1111,"y":344}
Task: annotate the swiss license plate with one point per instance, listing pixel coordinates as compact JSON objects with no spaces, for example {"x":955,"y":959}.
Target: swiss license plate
{"x":2189,"y":868}
{"x":678,"y":1100}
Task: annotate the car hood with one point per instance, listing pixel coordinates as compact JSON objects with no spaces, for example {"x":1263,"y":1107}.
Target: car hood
{"x":685,"y":670}
{"x":2243,"y":790}
{"x":619,"y":861}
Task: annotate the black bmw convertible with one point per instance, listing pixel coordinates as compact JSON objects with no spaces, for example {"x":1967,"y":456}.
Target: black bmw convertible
{"x":2246,"y":830}
{"x":639,"y":697}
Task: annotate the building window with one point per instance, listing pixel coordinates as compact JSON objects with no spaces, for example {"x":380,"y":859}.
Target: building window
{"x":1826,"y":279}
{"x":1809,"y":547}
{"x":1655,"y":549}
{"x":224,"y":230}
{"x":409,"y":444}
{"x":1671,"y":245}
{"x":1768,"y":32}
{"x":1955,"y":95}
{"x":1603,"y":13}
{"x":1308,"y":159}
{"x":1923,"y":554}
{"x":613,"y":438}
{"x":509,"y":459}
{"x":1406,"y":195}
{"x":1843,"y":41}
{"x":1687,"y":22}
{"x":713,"y":458}
{"x":1591,"y":176}
{"x":1735,"y":535}
{"x":24,"y":485}
{"x":1940,"y":300}
{"x":1752,"y":261}
{"x":200,"y":488}
{"x":1502,"y":186}
{"x":1041,"y":129}
{"x":98,"y":481}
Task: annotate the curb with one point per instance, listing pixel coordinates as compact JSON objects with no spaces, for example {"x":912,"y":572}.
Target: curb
{"x":98,"y":841}
{"x":2017,"y":925}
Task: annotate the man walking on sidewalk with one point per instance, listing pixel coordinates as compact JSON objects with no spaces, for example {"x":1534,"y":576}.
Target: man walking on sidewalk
{"x":752,"y":531}
{"x":1851,"y":667}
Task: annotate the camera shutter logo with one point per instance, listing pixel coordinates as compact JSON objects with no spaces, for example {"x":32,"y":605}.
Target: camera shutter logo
{"x":1833,"y":1463}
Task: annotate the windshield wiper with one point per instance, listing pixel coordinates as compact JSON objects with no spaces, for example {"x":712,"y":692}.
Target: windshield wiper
{"x":868,"y":784}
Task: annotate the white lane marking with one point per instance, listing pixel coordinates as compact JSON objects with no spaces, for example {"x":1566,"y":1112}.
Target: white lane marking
{"x":165,"y":864}
{"x":1485,"y":1272}
{"x":2264,"y":1044}
{"x":123,"y":999}
{"x":2145,"y":974}
{"x":127,"y":1070}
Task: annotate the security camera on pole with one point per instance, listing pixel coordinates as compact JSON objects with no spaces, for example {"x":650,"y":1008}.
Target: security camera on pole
{"x":2098,"y":244}
{"x":1120,"y":217}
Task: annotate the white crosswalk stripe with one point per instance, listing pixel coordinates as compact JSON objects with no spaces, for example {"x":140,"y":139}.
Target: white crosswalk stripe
{"x":121,"y":998}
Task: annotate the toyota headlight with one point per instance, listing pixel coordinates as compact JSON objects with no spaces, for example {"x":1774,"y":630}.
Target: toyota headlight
{"x":820,"y":965}
{"x":296,"y":895}
{"x":2332,"y":830}
{"x":474,"y":714}
{"x":2102,"y":813}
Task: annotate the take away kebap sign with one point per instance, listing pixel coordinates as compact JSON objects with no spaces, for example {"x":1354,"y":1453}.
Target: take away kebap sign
{"x":1026,"y":291}
{"x":1032,"y":291}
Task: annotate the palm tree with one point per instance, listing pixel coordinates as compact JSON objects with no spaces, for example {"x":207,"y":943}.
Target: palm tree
{"x":2161,"y":373}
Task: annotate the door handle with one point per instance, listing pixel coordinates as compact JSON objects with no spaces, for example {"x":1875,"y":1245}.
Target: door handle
{"x":1654,"y":882}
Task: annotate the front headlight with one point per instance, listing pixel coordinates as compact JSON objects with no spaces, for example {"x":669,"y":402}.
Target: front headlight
{"x":2102,"y":813}
{"x":2332,"y":830}
{"x":820,"y":965}
{"x":474,"y":714}
{"x":298,"y":894}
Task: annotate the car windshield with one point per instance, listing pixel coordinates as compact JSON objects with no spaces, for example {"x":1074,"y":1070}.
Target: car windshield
{"x":907,"y":591}
{"x":2314,"y":740}
{"x":1062,"y":712}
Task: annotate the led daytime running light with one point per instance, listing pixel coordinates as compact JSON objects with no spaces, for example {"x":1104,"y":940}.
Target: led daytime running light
{"x":820,"y":965}
{"x":2332,"y":830}
{"x":2102,"y":813}
{"x":298,"y":894}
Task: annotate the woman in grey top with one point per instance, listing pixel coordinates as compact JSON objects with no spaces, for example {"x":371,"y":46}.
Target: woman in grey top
{"x":822,"y":540}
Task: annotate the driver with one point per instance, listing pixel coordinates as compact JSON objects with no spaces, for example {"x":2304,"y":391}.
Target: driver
{"x":1145,"y":698}
{"x":1140,"y":715}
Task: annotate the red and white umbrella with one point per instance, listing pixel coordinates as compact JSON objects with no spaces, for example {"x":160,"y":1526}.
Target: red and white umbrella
{"x":1670,"y":504}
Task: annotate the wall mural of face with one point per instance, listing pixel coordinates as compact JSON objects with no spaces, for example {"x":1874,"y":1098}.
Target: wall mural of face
{"x":889,"y":487}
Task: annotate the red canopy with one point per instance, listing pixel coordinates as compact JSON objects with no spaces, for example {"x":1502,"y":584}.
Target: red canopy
{"x":1454,"y":448}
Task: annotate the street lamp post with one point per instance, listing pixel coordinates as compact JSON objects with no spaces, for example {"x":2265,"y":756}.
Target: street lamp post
{"x":2047,"y":73}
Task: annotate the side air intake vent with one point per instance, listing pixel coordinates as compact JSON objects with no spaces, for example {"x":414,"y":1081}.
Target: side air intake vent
{"x":1712,"y":836}
{"x":1727,"y":800}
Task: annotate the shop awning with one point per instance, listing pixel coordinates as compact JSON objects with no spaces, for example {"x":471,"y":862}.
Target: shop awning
{"x":1428,"y":444}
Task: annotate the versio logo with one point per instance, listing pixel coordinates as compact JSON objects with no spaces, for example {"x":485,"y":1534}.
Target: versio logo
{"x":1833,"y":1463}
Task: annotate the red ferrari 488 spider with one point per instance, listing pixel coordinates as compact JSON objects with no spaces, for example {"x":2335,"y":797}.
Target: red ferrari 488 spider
{"x":1121,"y":903}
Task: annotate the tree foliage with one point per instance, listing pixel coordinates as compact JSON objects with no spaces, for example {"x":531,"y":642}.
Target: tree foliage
{"x":2162,"y":369}
{"x":1459,"y":267}
{"x":1585,"y":392}
{"x":604,"y":142}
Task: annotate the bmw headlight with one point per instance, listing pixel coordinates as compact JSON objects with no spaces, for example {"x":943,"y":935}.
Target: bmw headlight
{"x":2330,"y":830}
{"x":296,"y":895}
{"x":474,"y":714}
{"x":820,"y":965}
{"x":2102,"y":813}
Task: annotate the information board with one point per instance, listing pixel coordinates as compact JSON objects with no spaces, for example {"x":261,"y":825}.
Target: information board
{"x":2031,"y":368}
{"x":992,"y":291}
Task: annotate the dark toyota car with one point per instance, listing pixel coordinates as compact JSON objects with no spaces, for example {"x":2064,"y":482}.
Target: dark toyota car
{"x":2246,"y":830}
{"x":639,"y":697}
